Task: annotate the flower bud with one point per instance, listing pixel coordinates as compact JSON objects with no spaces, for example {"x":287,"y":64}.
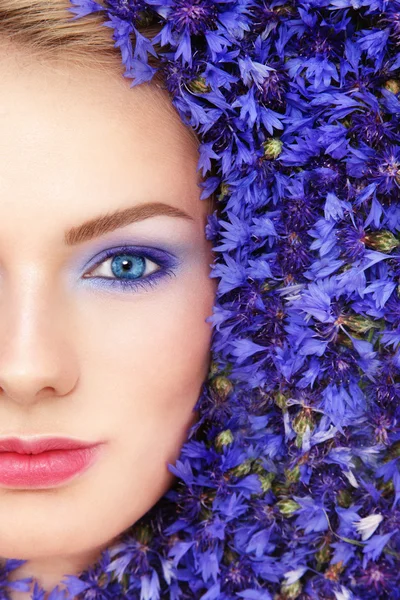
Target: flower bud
{"x":242,"y":469}
{"x":393,"y":85}
{"x":292,"y":475}
{"x":383,"y":241}
{"x":222,"y":386}
{"x":301,"y":420}
{"x":266,"y":479}
{"x":323,"y":555}
{"x":292,"y":591}
{"x":280,"y":400}
{"x":199,"y":86}
{"x":224,"y":438}
{"x":224,"y":191}
{"x":272,"y":148}
{"x":360,"y":324}
{"x":287,"y":507}
{"x":213,"y":370}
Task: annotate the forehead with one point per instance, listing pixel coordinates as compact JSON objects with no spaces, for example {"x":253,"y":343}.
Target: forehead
{"x":62,"y":122}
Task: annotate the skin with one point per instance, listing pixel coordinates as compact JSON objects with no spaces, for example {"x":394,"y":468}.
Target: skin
{"x":78,"y":359}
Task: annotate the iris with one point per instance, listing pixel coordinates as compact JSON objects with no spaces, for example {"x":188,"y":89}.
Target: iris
{"x":122,"y":264}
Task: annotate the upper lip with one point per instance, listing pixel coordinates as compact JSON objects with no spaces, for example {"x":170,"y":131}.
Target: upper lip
{"x":35,"y":446}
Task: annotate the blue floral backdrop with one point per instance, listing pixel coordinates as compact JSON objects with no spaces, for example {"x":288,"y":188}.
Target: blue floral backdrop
{"x":289,"y":485}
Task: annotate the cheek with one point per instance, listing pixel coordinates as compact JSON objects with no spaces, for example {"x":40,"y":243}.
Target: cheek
{"x":154,"y":352}
{"x":160,"y":360}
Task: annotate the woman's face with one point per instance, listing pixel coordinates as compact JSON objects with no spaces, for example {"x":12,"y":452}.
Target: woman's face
{"x":81,"y":355}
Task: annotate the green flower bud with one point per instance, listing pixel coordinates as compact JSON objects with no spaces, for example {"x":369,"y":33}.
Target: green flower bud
{"x":199,"y":86}
{"x":292,"y":475}
{"x":266,"y":481}
{"x":360,"y":324}
{"x":272,"y":148}
{"x":299,"y":440}
{"x":213,"y":369}
{"x":243,"y":469}
{"x":383,"y":241}
{"x":287,"y":507}
{"x":222,"y":386}
{"x":323,"y":555}
{"x":223,"y":439}
{"x":393,"y":85}
{"x":302,"y":419}
{"x":280,"y":400}
{"x":224,"y":191}
{"x":292,"y":591}
{"x":279,"y":488}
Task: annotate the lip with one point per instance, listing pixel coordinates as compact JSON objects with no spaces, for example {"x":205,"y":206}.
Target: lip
{"x":44,"y":462}
{"x":35,"y":446}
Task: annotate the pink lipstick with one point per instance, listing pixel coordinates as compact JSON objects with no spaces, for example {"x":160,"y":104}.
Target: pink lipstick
{"x":44,"y":462}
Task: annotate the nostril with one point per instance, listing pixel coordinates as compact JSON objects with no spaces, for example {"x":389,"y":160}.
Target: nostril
{"x":47,"y":391}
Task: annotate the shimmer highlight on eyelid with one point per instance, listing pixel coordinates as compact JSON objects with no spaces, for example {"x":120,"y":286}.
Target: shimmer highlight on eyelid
{"x":162,"y":257}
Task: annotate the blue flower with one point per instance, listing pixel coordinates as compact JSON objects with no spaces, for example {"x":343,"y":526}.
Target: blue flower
{"x":375,"y":545}
{"x":374,"y":43}
{"x":311,"y":516}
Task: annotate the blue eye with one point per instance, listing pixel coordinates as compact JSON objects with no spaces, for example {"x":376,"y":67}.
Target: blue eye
{"x":131,"y":268}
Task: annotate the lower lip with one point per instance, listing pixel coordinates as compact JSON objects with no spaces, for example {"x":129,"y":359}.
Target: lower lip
{"x":46,"y":469}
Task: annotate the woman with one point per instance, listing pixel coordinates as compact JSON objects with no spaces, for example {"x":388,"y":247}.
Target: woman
{"x":289,"y":483}
{"x":106,"y":290}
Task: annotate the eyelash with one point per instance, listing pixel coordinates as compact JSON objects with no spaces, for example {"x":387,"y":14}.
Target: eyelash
{"x":152,"y":280}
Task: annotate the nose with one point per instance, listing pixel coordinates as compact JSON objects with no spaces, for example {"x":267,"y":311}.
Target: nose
{"x":36,"y":359}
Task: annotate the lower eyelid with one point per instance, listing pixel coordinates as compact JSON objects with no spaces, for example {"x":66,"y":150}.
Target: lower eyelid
{"x":131,"y":285}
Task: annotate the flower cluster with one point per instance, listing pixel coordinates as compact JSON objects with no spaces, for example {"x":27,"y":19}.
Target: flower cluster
{"x":289,"y":485}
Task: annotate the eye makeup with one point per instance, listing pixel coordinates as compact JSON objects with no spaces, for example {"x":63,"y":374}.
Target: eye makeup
{"x":166,"y":262}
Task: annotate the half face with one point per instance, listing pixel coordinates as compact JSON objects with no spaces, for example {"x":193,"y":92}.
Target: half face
{"x":103,"y":333}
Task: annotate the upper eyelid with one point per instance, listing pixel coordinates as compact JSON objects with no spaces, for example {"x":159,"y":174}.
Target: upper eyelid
{"x":161,"y":257}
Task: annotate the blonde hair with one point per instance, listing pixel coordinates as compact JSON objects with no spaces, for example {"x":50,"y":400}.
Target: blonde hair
{"x":46,"y":29}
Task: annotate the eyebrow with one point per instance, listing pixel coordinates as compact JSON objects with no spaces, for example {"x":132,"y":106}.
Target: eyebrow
{"x":120,"y":218}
